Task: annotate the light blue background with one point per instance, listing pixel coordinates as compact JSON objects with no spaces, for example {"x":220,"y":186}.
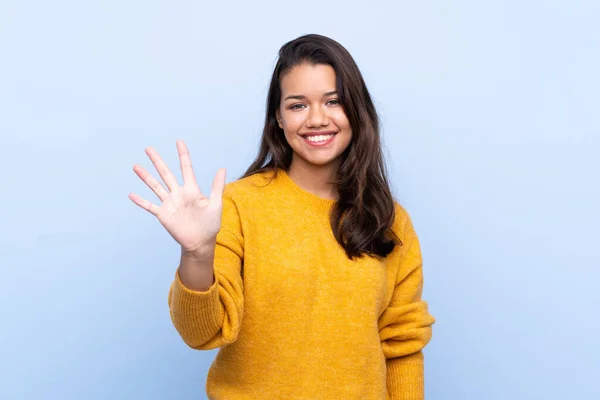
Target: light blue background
{"x":490,"y":118}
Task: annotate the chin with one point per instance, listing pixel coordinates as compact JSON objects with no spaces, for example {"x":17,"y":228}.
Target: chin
{"x":319,"y":162}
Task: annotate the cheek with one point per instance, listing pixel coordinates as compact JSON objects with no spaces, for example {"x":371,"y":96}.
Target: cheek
{"x":292,"y":122}
{"x":341,"y":120}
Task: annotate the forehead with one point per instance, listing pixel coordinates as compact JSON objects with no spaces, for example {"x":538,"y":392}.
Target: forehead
{"x":308,"y":79}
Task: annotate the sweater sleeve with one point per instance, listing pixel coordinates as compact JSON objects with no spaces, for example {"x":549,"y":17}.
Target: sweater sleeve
{"x":211,"y":319}
{"x":405,"y":325}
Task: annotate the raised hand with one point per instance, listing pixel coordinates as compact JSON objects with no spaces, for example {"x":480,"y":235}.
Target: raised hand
{"x":191,"y":218}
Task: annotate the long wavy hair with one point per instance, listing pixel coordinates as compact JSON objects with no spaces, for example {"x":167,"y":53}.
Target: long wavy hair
{"x":363,"y":214}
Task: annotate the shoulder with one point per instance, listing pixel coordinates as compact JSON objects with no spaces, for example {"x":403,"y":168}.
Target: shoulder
{"x":409,"y":247}
{"x":401,"y":215}
{"x":241,"y":199}
{"x":403,"y":225}
{"x":248,"y":188}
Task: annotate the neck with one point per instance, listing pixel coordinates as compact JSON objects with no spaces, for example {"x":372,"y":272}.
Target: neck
{"x":315,"y":179}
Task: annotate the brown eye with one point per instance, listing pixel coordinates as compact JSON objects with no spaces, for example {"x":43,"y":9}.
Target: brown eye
{"x":334,"y":102}
{"x":296,"y":106}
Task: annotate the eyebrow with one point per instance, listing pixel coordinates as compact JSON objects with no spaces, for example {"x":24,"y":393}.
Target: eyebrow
{"x":302,"y":97}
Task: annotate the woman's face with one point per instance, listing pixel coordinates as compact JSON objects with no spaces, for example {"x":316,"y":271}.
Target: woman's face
{"x":311,"y":116}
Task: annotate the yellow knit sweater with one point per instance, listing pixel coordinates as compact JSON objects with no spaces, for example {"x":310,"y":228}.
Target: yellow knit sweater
{"x":293,"y":317}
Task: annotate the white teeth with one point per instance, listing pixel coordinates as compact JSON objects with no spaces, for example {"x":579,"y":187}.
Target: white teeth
{"x":319,"y":138}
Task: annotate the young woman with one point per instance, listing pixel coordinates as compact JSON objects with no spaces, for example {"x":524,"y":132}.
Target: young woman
{"x":305,"y":272}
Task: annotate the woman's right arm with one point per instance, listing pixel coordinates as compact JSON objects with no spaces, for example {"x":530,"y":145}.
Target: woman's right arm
{"x":206,"y":296}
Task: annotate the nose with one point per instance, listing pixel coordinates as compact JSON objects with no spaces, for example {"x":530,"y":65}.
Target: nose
{"x":317,"y":117}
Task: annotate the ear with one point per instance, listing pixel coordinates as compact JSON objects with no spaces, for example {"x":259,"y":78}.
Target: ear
{"x":278,"y":117}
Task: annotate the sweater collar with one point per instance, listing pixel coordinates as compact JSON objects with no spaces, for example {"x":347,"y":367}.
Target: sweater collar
{"x":309,"y":198}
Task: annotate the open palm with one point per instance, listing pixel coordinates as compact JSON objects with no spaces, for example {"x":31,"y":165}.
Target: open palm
{"x":191,"y":218}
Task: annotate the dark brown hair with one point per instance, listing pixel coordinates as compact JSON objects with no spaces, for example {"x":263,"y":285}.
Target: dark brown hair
{"x":362,"y":216}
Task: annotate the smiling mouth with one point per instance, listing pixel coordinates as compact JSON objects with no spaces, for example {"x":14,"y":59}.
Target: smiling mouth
{"x":320,"y":138}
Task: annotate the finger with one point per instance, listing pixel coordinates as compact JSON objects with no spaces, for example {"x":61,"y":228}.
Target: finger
{"x":145,"y":204}
{"x":164,"y":171}
{"x":186,"y":163}
{"x":152,"y":183}
{"x":218,"y":186}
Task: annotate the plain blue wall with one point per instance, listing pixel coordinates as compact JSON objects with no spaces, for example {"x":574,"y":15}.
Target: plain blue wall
{"x":490,"y":120}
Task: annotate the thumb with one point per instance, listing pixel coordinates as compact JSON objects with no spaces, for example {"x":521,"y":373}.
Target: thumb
{"x":218,"y":186}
